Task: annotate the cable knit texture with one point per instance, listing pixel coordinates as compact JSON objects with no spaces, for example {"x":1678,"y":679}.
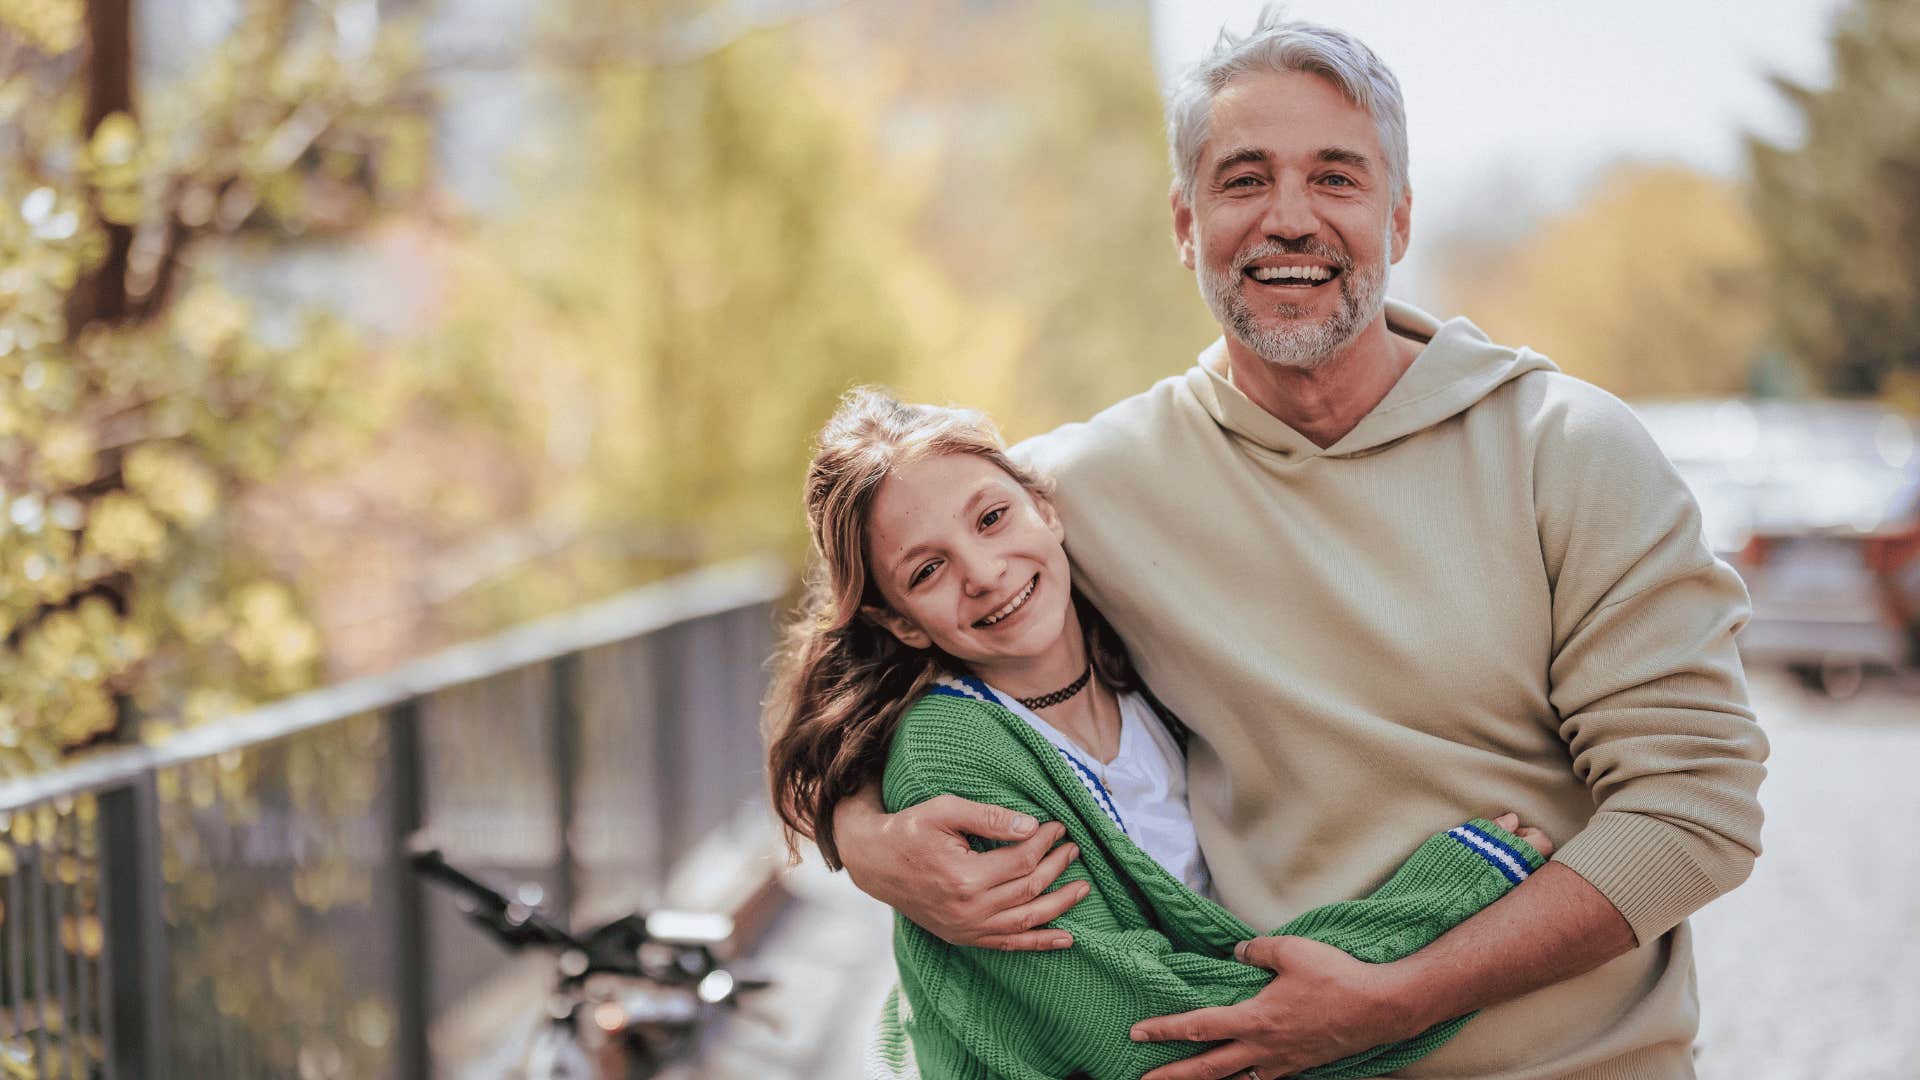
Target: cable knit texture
{"x":1144,"y":943}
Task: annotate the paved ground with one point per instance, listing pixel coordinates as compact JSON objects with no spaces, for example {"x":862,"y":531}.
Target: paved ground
{"x":831,"y":959}
{"x":1812,"y":970}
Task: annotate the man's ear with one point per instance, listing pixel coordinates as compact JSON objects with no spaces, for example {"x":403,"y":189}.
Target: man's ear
{"x":1402,"y":224}
{"x":1182,"y":226}
{"x":898,"y":625}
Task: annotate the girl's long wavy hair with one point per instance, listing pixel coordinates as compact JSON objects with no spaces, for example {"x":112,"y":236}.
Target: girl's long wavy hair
{"x":842,"y":680}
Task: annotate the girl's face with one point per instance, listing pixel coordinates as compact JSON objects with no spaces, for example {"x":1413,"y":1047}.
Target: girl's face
{"x":969,"y":560}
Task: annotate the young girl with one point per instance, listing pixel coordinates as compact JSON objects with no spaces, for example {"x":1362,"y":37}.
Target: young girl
{"x":942,"y":650}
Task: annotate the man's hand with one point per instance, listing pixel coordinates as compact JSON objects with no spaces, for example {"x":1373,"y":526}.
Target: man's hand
{"x":1322,"y":1006}
{"x":918,"y":862}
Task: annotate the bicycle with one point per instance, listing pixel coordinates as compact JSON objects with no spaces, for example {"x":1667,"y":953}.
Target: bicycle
{"x":629,"y":997}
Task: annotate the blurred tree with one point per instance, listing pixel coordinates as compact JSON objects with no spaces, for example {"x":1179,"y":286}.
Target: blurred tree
{"x":1838,"y":211}
{"x":725,"y":246}
{"x":1650,"y":286}
{"x":139,"y":396}
{"x":746,"y":218}
{"x":1052,"y":215}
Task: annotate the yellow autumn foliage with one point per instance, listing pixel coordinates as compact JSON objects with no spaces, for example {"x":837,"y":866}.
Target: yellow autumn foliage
{"x":142,"y":396}
{"x":1652,"y":285}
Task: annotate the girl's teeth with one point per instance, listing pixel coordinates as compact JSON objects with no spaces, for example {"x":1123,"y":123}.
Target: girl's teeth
{"x":1012,"y":606}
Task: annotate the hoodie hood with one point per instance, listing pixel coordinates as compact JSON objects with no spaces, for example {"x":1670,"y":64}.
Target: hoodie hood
{"x":1458,"y":367}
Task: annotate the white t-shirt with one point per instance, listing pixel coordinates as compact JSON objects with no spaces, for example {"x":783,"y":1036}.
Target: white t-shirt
{"x":1145,"y":786}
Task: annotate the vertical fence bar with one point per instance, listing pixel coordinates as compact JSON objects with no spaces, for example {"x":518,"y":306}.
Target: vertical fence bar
{"x":564,"y":681}
{"x":57,"y":942}
{"x":37,"y":942}
{"x":84,"y":1015}
{"x":109,"y":1066}
{"x":404,"y":816}
{"x":136,"y":931}
{"x":215,"y":827}
{"x":17,"y":939}
{"x":671,"y":705}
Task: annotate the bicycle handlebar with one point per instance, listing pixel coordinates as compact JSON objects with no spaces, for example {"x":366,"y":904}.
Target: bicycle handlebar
{"x":515,"y":925}
{"x":618,"y":948}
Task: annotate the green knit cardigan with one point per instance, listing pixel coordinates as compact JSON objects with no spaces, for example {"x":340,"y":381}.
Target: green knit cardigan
{"x":1144,"y":944}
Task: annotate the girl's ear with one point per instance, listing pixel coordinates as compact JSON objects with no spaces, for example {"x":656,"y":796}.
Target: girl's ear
{"x":1052,"y":517}
{"x":898,"y":625}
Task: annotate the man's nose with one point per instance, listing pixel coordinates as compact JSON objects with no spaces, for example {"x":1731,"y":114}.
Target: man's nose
{"x":1289,"y":214}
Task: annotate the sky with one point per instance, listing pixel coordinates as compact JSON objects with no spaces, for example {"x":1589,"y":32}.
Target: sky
{"x":1520,"y":103}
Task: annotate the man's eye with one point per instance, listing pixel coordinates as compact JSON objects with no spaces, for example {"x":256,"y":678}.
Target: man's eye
{"x":1337,"y":180}
{"x":923,"y":573}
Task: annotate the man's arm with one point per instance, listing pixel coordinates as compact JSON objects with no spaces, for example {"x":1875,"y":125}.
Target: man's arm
{"x":1323,"y":1004}
{"x":919,"y":863}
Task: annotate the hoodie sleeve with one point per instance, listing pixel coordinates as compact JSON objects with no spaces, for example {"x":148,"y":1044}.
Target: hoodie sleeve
{"x":1644,"y":676}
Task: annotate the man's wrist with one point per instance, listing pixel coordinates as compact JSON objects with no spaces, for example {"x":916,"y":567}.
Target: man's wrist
{"x":1411,"y":995}
{"x":857,"y":820}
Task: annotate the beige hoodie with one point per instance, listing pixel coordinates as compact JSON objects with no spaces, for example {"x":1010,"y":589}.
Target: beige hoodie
{"x":1492,"y":594}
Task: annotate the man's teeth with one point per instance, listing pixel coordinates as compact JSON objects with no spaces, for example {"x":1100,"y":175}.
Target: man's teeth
{"x":1292,"y":273}
{"x":1013,"y":605}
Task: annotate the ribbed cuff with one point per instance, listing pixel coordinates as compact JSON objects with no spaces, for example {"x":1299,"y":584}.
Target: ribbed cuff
{"x":1481,"y":829}
{"x":1644,"y":867}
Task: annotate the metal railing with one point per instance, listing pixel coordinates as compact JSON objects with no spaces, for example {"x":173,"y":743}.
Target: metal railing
{"x":233,"y":902}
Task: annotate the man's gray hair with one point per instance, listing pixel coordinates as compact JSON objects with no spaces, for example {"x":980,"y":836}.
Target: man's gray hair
{"x":1276,"y":44}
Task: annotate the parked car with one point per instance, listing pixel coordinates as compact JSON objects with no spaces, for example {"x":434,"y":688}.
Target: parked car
{"x":1817,"y":504}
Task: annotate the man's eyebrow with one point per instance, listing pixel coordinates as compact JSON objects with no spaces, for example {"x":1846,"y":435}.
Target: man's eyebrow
{"x":1331,"y":155}
{"x":1245,"y":155}
{"x":1340,"y":155}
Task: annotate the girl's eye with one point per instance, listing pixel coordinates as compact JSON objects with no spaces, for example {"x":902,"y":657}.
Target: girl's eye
{"x":992,"y":517}
{"x":923,"y":573}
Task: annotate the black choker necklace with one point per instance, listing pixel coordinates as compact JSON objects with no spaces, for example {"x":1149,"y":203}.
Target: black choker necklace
{"x":1046,"y":701}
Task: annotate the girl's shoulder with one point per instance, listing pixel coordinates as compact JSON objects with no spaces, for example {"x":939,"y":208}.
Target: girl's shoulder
{"x":960,"y":688}
{"x":954,"y":739}
{"x":954,"y":709}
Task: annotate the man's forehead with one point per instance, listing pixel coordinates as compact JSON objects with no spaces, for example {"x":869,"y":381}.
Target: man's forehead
{"x":1292,"y":106}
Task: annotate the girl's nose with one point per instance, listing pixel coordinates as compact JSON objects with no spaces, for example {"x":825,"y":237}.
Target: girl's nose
{"x":981,"y":571}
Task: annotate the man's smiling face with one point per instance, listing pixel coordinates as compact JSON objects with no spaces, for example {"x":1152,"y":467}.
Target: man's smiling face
{"x":1292,"y":227}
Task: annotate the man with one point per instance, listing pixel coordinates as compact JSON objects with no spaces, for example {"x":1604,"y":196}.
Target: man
{"x":1391,"y":575}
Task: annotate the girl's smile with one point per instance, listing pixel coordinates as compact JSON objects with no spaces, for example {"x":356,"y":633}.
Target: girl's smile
{"x":1017,"y":604}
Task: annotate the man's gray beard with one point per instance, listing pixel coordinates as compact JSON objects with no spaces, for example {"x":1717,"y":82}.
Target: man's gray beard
{"x":1301,"y":345}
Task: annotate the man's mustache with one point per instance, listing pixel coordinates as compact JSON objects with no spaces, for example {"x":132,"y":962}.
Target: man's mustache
{"x":1306,"y":245}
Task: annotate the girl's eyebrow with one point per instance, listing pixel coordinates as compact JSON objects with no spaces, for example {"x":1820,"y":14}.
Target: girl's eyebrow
{"x":984,"y":491}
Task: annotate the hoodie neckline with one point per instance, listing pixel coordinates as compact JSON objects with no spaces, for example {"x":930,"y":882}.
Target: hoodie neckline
{"x":1458,"y":366}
